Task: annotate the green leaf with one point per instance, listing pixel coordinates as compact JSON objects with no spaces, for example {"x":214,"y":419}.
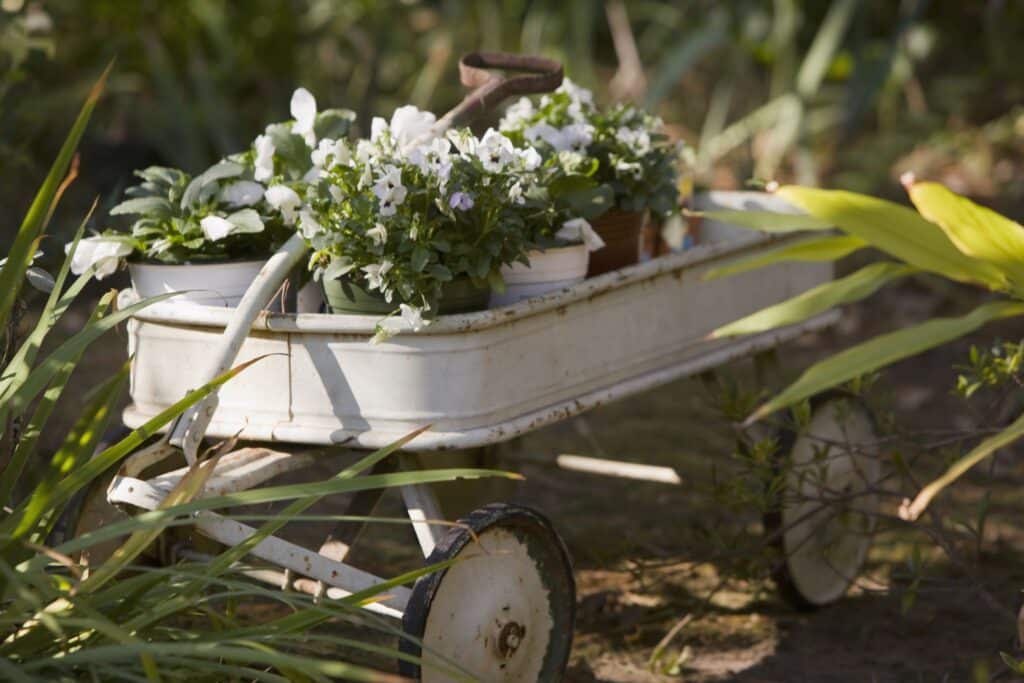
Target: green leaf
{"x":896,"y":230}
{"x":831,"y":248}
{"x":246,"y":220}
{"x":333,"y":123}
{"x":882,"y":351}
{"x":219,"y":171}
{"x":975,"y":230}
{"x":420,"y":257}
{"x":853,"y":287}
{"x":589,"y":203}
{"x":26,"y":242}
{"x":149,"y":206}
{"x":912,"y":510}
{"x":765,"y":221}
{"x":40,"y":377}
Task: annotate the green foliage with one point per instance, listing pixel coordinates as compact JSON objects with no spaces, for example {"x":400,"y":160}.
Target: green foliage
{"x":628,"y":147}
{"x":991,"y":368}
{"x":951,"y":237}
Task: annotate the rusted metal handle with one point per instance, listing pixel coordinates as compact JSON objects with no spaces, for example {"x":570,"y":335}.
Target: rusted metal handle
{"x":536,"y":75}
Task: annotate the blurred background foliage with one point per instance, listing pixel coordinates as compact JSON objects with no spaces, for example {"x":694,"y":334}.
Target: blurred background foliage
{"x":844,"y":92}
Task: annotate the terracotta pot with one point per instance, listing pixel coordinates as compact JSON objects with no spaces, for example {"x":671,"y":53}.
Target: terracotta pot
{"x":458,"y":296}
{"x":550,"y":270}
{"x":620,"y":231}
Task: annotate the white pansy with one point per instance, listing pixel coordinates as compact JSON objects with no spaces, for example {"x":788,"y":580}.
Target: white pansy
{"x":626,"y":168}
{"x":303,"y":110}
{"x":378,"y":233}
{"x":336,"y":193}
{"x":264,"y":160}
{"x":241,"y":193}
{"x":378,"y":127}
{"x":515,"y":193}
{"x":308,"y":224}
{"x":464,"y":141}
{"x":579,"y":230}
{"x":518,"y":113}
{"x":330,"y":153}
{"x":530,"y":158}
{"x":390,"y":190}
{"x":375,"y":273}
{"x":284,"y":199}
{"x":495,"y":151}
{"x":313,"y":175}
{"x":410,"y":126}
{"x":365,"y":150}
{"x":545,"y":132}
{"x":102,"y":254}
{"x":216,"y":228}
{"x":413,"y":317}
{"x":365,"y":178}
{"x":637,"y":139}
{"x":577,"y":136}
{"x":575,"y":92}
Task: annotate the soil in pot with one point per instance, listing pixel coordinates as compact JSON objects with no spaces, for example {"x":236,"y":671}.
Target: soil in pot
{"x":458,"y":296}
{"x":620,"y":231}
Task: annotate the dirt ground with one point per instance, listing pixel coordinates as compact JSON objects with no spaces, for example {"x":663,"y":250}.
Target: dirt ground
{"x":646,"y":556}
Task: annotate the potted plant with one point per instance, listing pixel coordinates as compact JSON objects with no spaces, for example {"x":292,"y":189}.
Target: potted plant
{"x":560,"y":239}
{"x":410,"y":223}
{"x":208,"y":236}
{"x":634,"y":160}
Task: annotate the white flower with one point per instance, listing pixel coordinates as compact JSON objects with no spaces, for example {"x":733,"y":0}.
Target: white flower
{"x":412,"y":316}
{"x":102,"y":254}
{"x":303,"y":109}
{"x":579,"y":98}
{"x":264,"y":158}
{"x":378,"y":233}
{"x":241,"y":193}
{"x":578,"y":136}
{"x":579,"y":230}
{"x":365,"y":150}
{"x":636,"y":138}
{"x":461,"y":201}
{"x":517,"y":114}
{"x":336,"y":193}
{"x":625,"y":168}
{"x":308,"y":224}
{"x":284,"y":199}
{"x":366,"y":177}
{"x":495,"y":151}
{"x":410,"y":125}
{"x":464,"y":141}
{"x":390,"y":190}
{"x":515,"y":193}
{"x":330,"y":153}
{"x":216,"y":228}
{"x":530,"y":158}
{"x":375,"y":274}
{"x":545,"y":132}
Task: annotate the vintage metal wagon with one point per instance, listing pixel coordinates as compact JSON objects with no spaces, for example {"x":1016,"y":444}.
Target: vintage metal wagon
{"x":505,"y":610}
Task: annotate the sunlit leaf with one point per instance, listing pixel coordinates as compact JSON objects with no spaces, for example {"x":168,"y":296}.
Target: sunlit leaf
{"x":897,"y":230}
{"x":824,"y":297}
{"x":882,"y":351}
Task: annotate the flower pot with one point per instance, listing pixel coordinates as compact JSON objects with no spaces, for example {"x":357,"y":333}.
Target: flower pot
{"x":346,"y":296}
{"x":212,"y":284}
{"x":620,"y":231}
{"x":549,"y":271}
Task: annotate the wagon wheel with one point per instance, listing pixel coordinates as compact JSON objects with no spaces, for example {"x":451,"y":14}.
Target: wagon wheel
{"x":503,"y":611}
{"x":826,"y":514}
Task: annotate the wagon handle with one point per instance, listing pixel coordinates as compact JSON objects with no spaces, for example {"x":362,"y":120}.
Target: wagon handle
{"x":476,"y":70}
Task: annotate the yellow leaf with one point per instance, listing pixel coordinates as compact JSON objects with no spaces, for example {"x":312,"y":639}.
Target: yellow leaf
{"x":897,"y":230}
{"x":975,"y":230}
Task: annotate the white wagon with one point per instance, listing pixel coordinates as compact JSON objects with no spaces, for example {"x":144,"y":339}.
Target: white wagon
{"x":505,"y":612}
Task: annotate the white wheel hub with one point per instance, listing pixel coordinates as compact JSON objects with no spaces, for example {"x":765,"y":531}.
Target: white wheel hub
{"x":829,"y":508}
{"x":491,"y":614}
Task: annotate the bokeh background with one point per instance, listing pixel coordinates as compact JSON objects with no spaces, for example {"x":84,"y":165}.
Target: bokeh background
{"x":843,"y":93}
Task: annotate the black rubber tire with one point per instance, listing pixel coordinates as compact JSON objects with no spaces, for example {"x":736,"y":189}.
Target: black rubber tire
{"x":558,"y":575}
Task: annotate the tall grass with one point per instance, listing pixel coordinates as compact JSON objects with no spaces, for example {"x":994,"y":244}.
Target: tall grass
{"x":126,"y":619}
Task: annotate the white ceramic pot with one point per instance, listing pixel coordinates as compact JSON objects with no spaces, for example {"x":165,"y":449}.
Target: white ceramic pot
{"x":211,"y":284}
{"x":550,"y":270}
